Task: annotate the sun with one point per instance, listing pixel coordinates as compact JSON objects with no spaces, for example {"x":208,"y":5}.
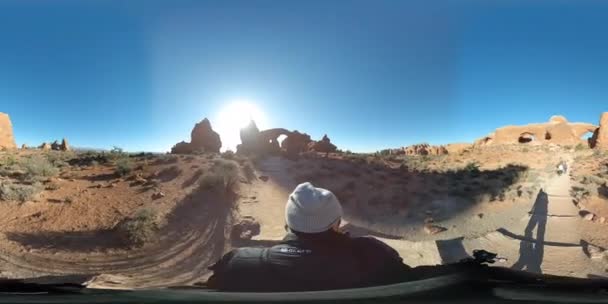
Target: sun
{"x":234,"y":116}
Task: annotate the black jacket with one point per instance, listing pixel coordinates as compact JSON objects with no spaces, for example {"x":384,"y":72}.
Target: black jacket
{"x":326,"y":261}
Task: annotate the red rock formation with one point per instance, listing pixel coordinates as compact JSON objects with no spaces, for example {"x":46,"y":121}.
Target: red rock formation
{"x":296,"y":143}
{"x":202,"y":138}
{"x":600,"y":136}
{"x":181,"y":147}
{"x":64,"y":145}
{"x":425,"y":149}
{"x":324,"y":145}
{"x":266,"y":142}
{"x":557,"y":131}
{"x":7,"y":140}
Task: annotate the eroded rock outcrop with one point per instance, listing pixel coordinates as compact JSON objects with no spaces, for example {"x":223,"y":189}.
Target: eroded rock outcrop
{"x":600,"y":136}
{"x":7,"y":139}
{"x":64,"y":145}
{"x":45,"y":146}
{"x":260,"y":142}
{"x":267,"y":141}
{"x":324,"y":145}
{"x":202,"y":138}
{"x":557,"y":131}
{"x":296,"y":143}
{"x":424,"y":149}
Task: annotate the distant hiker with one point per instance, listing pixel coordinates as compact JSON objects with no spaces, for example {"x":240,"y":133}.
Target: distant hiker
{"x":560,"y":168}
{"x":314,"y":255}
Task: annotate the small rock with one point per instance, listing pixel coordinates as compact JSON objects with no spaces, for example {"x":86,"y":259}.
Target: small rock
{"x":589,"y":216}
{"x":595,"y":252}
{"x":253,"y":197}
{"x":158,"y":195}
{"x":264,"y":178}
{"x":480,"y":215}
{"x":247,"y":228}
{"x":602,"y":220}
{"x":98,"y":186}
{"x":433,"y":229}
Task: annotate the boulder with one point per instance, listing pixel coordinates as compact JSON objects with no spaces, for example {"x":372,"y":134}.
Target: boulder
{"x":245,"y":229}
{"x":64,"y":145}
{"x":7,"y":140}
{"x":45,"y":146}
{"x":324,"y":145}
{"x":433,"y":229}
{"x":23,"y":146}
{"x":600,"y":136}
{"x":203,"y":137}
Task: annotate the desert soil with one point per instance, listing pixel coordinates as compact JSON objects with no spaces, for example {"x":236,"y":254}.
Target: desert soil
{"x":533,"y":230}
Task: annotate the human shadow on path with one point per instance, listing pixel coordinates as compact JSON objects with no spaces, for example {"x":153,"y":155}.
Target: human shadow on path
{"x":531,"y":252}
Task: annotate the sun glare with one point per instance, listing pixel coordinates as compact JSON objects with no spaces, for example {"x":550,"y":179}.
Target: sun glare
{"x":233,"y":117}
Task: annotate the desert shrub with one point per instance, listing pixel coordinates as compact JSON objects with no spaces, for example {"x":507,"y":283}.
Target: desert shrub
{"x":580,"y":147}
{"x":228,"y":154}
{"x":248,"y":170}
{"x":59,"y":158}
{"x":18,"y":192}
{"x":124,"y":166}
{"x":580,"y":191}
{"x":37,"y":168}
{"x":51,"y":186}
{"x":89,"y":158}
{"x":140,"y":228}
{"x":599,"y":153}
{"x":9,"y":160}
{"x":384,"y":152}
{"x":472,"y":167}
{"x":223,"y":175}
{"x":592,"y":179}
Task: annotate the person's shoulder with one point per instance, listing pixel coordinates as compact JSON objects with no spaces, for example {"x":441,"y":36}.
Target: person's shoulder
{"x":237,"y":254}
{"x":372,"y":244}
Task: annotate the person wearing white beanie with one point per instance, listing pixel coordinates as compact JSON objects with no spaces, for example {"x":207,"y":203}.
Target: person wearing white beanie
{"x":312,"y":210}
{"x":314,"y":255}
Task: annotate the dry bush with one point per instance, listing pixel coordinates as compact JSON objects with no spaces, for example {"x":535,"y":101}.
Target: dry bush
{"x":17,"y":192}
{"x":140,"y":228}
{"x":124,"y":166}
{"x":248,"y":170}
{"x":38,"y":168}
{"x":223,"y":175}
{"x":228,"y":154}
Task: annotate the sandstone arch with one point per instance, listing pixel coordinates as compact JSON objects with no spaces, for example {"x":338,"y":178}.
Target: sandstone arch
{"x":558,"y":131}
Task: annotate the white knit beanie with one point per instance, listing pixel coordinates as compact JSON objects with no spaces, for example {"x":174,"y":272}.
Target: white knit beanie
{"x":312,"y":210}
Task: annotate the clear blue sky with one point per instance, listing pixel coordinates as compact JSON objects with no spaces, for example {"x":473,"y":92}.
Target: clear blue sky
{"x":370,"y":74}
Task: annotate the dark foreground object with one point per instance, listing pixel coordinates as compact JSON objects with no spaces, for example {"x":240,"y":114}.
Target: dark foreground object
{"x":458,"y":283}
